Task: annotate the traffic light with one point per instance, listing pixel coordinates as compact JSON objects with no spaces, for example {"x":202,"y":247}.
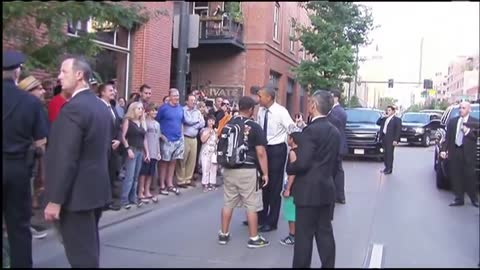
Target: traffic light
{"x":427,"y":84}
{"x":390,"y":83}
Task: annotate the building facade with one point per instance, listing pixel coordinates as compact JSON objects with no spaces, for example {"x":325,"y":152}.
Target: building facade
{"x":234,"y":56}
{"x":131,"y":57}
{"x":463,"y":79}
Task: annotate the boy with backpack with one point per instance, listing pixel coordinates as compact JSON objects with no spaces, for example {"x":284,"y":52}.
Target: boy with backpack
{"x":241,"y":148}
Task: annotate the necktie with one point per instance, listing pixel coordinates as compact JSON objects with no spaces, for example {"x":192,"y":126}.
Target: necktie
{"x":265,"y":123}
{"x":459,"y":137}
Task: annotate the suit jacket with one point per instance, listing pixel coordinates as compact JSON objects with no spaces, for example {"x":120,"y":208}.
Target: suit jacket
{"x":314,"y":166}
{"x":338,"y":117}
{"x":393,"y":129}
{"x":469,"y":140}
{"x":77,"y":174}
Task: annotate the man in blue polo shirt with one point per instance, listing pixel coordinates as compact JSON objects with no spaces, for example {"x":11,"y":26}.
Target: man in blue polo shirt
{"x":171,"y":119}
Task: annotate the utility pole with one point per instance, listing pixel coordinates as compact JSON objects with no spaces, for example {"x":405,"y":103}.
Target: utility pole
{"x":421,"y":60}
{"x":356,"y":74}
{"x":182,"y":51}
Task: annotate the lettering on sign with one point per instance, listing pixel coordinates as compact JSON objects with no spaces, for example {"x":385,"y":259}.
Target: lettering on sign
{"x":226,"y":91}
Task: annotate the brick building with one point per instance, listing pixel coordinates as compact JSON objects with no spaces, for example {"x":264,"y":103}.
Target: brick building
{"x":233,"y":56}
{"x":132,"y":57}
{"x":463,"y":78}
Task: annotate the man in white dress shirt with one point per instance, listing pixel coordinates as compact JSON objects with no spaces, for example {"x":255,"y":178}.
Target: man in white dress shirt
{"x":275,"y":121}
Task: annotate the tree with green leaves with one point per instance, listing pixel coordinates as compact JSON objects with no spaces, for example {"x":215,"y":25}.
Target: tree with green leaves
{"x":337,"y":29}
{"x":20,"y":19}
{"x":354,"y":102}
{"x":384,"y":102}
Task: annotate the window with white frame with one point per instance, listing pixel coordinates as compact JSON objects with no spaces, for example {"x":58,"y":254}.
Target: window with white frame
{"x":292,"y":36}
{"x":276,"y":20}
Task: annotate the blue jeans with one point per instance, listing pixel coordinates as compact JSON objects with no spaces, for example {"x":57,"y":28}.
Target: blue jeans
{"x":132,"y":170}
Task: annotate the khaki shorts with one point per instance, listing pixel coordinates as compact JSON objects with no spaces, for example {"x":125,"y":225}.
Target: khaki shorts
{"x":240,"y":189}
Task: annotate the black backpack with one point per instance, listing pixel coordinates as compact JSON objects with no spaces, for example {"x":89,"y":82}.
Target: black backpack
{"x":232,"y":146}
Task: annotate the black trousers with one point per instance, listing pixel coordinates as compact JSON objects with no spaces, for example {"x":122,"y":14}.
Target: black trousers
{"x":80,"y":236}
{"x":462,"y":173}
{"x":339,"y":179}
{"x":114,"y":166}
{"x":17,"y":211}
{"x":277,"y":156}
{"x":388,"y":151}
{"x":313,"y":222}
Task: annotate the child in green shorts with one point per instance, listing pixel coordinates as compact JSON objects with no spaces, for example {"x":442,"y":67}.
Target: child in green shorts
{"x":288,"y":204}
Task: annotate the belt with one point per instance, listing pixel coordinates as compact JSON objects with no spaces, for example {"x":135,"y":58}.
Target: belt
{"x":190,"y":137}
{"x":275,"y":145}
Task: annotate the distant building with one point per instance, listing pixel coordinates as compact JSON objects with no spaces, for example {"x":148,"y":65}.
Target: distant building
{"x":463,"y":79}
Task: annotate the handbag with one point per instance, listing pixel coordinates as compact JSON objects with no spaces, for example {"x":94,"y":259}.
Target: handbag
{"x":214,"y":157}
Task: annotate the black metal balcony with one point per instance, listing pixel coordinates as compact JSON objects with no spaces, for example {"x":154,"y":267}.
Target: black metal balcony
{"x":221,"y":30}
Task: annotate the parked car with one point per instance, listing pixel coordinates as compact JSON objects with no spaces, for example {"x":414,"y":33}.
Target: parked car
{"x":419,"y":128}
{"x":441,"y":165}
{"x":363,"y":133}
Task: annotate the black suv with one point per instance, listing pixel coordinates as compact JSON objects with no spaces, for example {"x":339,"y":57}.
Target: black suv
{"x":441,"y":165}
{"x":419,"y":128}
{"x":362,"y":133}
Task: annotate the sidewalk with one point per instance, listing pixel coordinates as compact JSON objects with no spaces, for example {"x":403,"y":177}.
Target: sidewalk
{"x":110,"y":217}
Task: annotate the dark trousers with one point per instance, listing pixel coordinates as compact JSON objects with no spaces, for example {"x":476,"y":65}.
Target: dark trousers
{"x":462,"y":173}
{"x":114,"y":166}
{"x":17,"y":211}
{"x":339,"y":179}
{"x":80,"y":236}
{"x":277,"y":156}
{"x":313,"y":222}
{"x":388,"y":150}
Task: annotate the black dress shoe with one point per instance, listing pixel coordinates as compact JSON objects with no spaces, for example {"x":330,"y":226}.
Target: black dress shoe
{"x":457,"y":203}
{"x":114,"y":207}
{"x":245,"y":223}
{"x":341,"y":201}
{"x":475,"y":203}
{"x":266,"y":228}
{"x":387,"y":172}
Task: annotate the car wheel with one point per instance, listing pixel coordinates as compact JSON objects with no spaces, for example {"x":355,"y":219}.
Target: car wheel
{"x":441,"y":180}
{"x":426,"y":141}
{"x":435,"y":158}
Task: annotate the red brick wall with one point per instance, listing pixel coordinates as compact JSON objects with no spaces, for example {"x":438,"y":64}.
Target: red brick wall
{"x":151,"y":52}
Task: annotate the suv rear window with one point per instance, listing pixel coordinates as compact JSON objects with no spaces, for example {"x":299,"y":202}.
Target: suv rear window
{"x":362,"y":116}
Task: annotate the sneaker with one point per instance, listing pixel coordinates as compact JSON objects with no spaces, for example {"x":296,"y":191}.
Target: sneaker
{"x":36,"y":234}
{"x":163,"y":192}
{"x":223,"y":238}
{"x":127,"y":206}
{"x":259,"y":243}
{"x":173,"y":190}
{"x":139,"y":204}
{"x":288,"y":241}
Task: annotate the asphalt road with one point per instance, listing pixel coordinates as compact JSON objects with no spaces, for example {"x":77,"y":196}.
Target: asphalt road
{"x":403,"y":213}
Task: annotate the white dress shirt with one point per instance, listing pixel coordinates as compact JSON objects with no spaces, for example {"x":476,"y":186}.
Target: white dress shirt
{"x":109,"y":107}
{"x":79,"y":90}
{"x":278,"y":122}
{"x":459,"y":128}
{"x":386,"y":123}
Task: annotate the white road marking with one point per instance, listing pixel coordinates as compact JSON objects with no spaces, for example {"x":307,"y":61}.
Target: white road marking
{"x":376,"y":256}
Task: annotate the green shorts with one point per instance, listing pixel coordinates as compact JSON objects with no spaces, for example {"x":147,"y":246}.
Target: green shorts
{"x":289,"y":209}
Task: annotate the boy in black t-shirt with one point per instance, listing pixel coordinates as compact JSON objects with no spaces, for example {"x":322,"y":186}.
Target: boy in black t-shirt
{"x":240,"y":184}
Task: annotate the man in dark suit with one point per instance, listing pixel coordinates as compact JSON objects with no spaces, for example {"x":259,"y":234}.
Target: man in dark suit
{"x":314,"y":188}
{"x":106,"y":93}
{"x":461,"y":146}
{"x":77,"y":179}
{"x":338,"y":117}
{"x":390,"y":127}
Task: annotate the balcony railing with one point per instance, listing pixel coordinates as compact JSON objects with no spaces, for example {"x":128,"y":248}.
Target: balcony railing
{"x":218,"y":30}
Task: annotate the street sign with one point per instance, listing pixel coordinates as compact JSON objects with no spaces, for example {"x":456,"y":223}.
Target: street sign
{"x":193,"y":29}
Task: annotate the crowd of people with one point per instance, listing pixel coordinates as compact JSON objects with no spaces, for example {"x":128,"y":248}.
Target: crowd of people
{"x":97,"y":151}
